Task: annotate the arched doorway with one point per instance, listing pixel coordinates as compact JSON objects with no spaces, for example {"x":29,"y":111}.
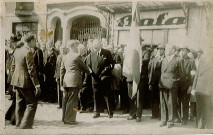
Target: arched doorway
{"x":86,"y":27}
{"x":58,"y":34}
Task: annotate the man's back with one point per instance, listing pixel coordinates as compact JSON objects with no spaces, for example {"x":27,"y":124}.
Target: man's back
{"x":24,"y":69}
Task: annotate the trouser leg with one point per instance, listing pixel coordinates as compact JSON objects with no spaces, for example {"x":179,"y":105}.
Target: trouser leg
{"x":98,"y":100}
{"x":172,"y":104}
{"x":31,"y":106}
{"x":71,"y":104}
{"x":132,"y":101}
{"x":185,"y":107}
{"x":155,"y":102}
{"x":163,"y":105}
{"x":20,"y":107}
{"x":140,"y":102}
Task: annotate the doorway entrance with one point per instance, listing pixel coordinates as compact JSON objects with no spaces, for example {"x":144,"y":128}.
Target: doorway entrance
{"x":86,"y":27}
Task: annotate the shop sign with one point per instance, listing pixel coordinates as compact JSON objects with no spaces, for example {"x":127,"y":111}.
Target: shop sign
{"x":164,"y":18}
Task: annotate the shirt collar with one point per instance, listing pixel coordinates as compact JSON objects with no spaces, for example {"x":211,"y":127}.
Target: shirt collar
{"x":171,"y":57}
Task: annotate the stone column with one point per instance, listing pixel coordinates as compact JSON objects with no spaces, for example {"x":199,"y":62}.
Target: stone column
{"x":66,"y":32}
{"x":116,"y":36}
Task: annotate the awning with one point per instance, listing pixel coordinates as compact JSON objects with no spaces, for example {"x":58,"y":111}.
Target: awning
{"x":125,"y":7}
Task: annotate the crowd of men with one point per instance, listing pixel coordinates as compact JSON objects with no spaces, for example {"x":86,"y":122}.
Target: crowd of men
{"x":175,"y":82}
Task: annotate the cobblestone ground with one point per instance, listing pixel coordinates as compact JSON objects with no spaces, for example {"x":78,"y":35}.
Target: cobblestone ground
{"x":48,"y":121}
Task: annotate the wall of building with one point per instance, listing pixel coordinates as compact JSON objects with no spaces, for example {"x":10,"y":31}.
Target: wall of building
{"x":197,"y":28}
{"x":38,"y":16}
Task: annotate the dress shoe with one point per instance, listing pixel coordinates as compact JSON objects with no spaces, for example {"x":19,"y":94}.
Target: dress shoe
{"x":131,"y":117}
{"x":125,"y":111}
{"x":96,"y":115}
{"x":111,"y":116}
{"x":154,"y":117}
{"x":162,"y":124}
{"x":177,"y":121}
{"x":170,"y":125}
{"x":184,"y":122}
{"x":90,"y":109}
{"x":71,"y":123}
{"x":138,"y":119}
{"x":83,"y":110}
{"x":76,"y":109}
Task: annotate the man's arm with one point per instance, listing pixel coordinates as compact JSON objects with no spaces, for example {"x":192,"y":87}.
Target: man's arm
{"x":32,"y":69}
{"x":32,"y":72}
{"x":62,"y":71}
{"x":40,"y":61}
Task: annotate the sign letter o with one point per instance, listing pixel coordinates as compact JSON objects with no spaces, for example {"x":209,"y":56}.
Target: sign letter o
{"x":180,"y":20}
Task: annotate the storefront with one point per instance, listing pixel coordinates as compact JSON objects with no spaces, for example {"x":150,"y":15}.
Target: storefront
{"x":155,"y":27}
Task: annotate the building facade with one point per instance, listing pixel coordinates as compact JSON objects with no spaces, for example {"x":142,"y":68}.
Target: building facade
{"x":160,"y":22}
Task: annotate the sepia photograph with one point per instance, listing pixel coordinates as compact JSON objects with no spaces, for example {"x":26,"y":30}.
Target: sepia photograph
{"x":106,"y":67}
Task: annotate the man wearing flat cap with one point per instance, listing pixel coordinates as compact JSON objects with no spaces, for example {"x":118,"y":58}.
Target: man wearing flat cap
{"x":186,"y":66}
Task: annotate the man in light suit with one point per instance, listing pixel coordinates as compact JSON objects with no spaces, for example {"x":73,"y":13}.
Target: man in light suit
{"x":25,"y":81}
{"x":71,"y":79}
{"x":168,"y":86}
{"x":203,"y":90}
{"x":101,"y":62}
{"x":63,"y":52}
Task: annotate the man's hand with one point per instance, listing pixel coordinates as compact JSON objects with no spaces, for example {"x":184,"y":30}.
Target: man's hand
{"x":150,"y":87}
{"x":193,"y":92}
{"x":62,"y":88}
{"x":38,"y":92}
{"x":188,"y":91}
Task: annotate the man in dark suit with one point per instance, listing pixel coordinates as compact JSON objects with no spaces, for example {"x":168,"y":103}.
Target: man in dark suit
{"x":39,"y":63}
{"x":25,"y":80}
{"x":137,"y":103}
{"x":154,"y":78}
{"x":49,"y":66}
{"x":186,"y":66}
{"x":168,"y":86}
{"x":203,"y":90}
{"x":101,"y":62}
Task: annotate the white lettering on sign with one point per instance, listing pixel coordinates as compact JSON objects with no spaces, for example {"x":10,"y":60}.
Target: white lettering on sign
{"x":164,"y":18}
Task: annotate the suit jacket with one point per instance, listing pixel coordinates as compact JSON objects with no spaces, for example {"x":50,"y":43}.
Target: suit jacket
{"x":145,"y":62}
{"x":155,"y":70}
{"x":58,"y":67}
{"x":39,"y":63}
{"x":116,"y":58}
{"x":203,"y":81}
{"x":71,"y":70}
{"x":8,"y":60}
{"x":100,"y":64}
{"x":186,"y":66}
{"x":25,"y":75}
{"x":169,"y":73}
{"x":50,"y":66}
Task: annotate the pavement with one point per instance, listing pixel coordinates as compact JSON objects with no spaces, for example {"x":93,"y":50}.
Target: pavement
{"x":48,"y":121}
